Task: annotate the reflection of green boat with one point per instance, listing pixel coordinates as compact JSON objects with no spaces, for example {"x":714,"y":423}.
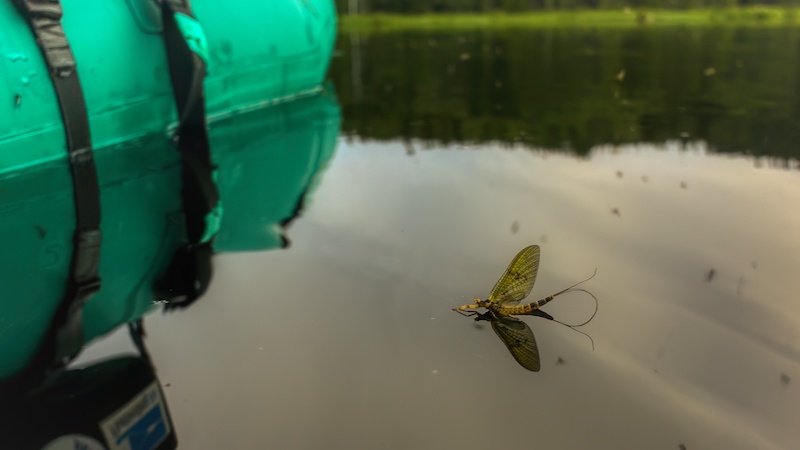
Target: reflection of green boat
{"x":268,"y":159}
{"x":269,"y":162}
{"x":259,"y":55}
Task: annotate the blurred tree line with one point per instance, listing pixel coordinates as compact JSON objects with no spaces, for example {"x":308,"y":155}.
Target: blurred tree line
{"x":574,"y":89}
{"x":423,"y":6}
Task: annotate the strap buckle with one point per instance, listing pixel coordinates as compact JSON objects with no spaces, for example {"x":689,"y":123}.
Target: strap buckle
{"x":188,"y":276}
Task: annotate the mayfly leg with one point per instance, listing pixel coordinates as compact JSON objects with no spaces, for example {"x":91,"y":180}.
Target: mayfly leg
{"x":463,"y":310}
{"x":477,"y":304}
{"x":465,"y":313}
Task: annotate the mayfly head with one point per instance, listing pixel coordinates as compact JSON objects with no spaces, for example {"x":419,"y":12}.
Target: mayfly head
{"x":470,"y":308}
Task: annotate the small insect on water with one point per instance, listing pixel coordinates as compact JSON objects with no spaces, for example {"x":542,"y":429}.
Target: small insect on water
{"x":503,"y":304}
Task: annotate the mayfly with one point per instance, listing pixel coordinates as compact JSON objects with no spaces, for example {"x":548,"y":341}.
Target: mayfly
{"x":503,"y":304}
{"x":517,"y":337}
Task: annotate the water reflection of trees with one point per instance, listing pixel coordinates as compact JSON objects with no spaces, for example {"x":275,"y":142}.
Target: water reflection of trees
{"x":424,"y":6}
{"x":736,"y":89}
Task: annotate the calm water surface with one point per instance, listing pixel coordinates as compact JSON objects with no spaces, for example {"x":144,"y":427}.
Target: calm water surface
{"x":459,"y":149}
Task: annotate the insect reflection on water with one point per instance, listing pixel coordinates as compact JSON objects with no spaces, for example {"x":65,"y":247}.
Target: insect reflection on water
{"x":503,"y":304}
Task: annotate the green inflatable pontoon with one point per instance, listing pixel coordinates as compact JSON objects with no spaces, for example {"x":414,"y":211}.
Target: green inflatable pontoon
{"x":271,"y":126}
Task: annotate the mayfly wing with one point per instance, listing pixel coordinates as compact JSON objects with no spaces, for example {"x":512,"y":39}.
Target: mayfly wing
{"x":518,"y":338}
{"x":517,"y":281}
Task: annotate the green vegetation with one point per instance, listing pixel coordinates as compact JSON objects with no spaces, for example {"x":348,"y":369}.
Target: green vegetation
{"x":572,"y":89}
{"x":621,"y":18}
{"x":517,"y":6}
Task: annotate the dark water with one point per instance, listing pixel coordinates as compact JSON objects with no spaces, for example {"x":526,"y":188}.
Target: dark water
{"x":459,"y":149}
{"x":736,"y":89}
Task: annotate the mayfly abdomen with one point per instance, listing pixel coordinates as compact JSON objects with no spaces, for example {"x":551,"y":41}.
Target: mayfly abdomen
{"x":517,"y":310}
{"x":524,"y":309}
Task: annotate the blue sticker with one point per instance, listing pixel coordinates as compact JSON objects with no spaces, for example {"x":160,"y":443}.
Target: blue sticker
{"x":142,"y":424}
{"x":147,"y":433}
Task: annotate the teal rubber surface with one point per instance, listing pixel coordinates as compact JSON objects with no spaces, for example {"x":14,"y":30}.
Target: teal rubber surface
{"x":272,"y":128}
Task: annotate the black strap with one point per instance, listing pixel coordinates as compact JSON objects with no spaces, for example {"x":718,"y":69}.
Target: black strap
{"x":64,"y":338}
{"x":190,"y":271}
{"x":136,"y":329}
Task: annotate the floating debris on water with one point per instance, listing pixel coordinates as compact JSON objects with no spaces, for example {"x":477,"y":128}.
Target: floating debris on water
{"x":645,"y":178}
{"x":681,"y":446}
{"x":710,"y":71}
{"x":434,"y":372}
{"x":560,"y":360}
{"x":17,"y":100}
{"x":619,"y":174}
{"x":465,"y":56}
{"x":740,"y":286}
{"x":514,"y":227}
{"x":785,"y":379}
{"x":616,"y":212}
{"x":621,"y":75}
{"x":710,"y":275}
{"x":683,"y":185}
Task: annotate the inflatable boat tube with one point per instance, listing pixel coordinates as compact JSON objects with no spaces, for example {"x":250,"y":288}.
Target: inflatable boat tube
{"x":272,"y":127}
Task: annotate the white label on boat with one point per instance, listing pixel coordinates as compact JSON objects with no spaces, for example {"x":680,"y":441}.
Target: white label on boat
{"x":141,"y":424}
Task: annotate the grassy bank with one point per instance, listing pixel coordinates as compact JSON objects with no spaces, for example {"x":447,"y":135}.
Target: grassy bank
{"x":756,"y":17}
